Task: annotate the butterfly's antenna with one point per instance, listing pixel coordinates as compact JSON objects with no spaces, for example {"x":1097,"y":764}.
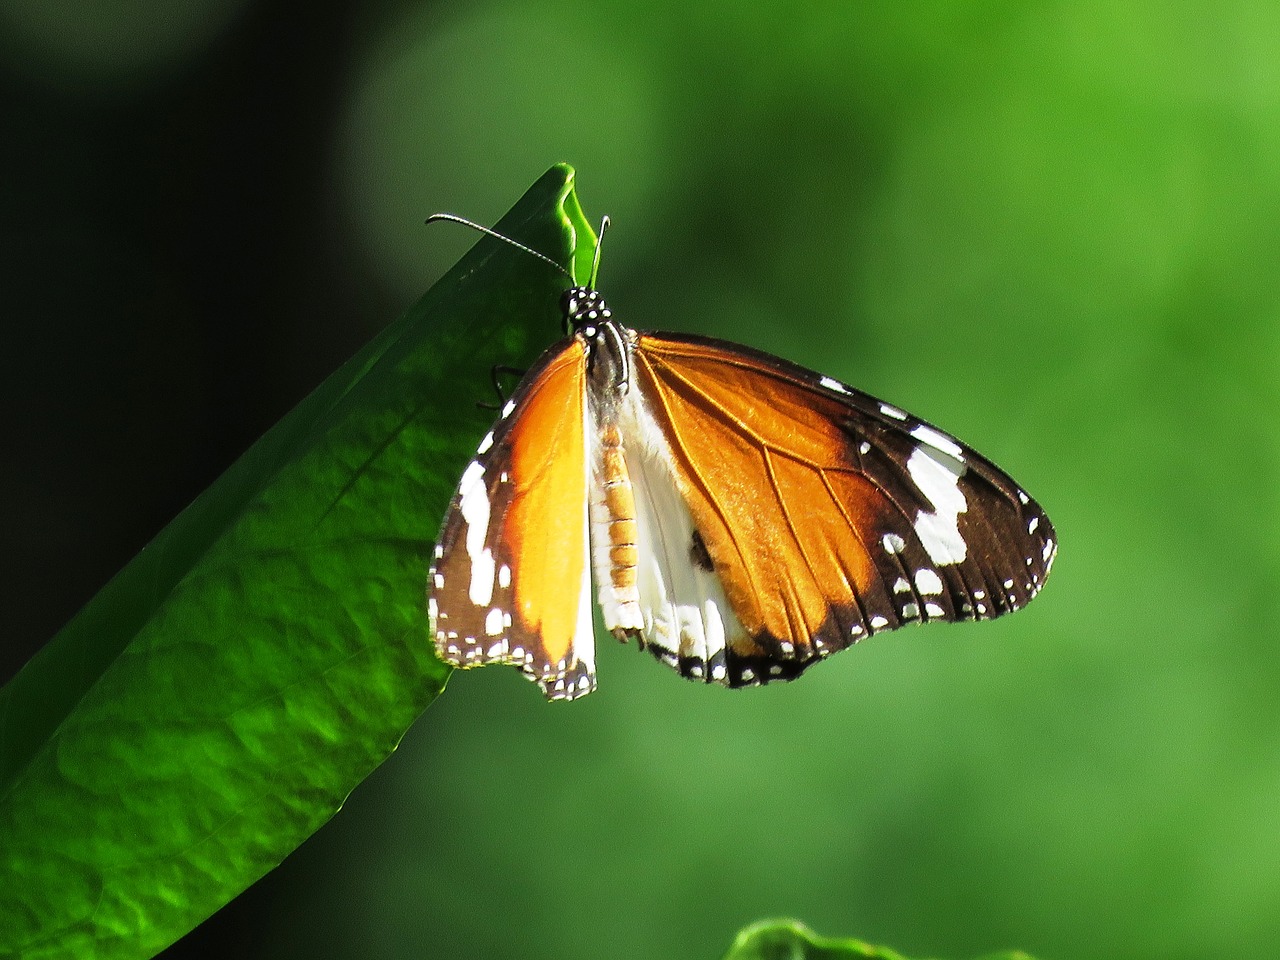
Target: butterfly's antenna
{"x":493,"y":233}
{"x":595,"y":261}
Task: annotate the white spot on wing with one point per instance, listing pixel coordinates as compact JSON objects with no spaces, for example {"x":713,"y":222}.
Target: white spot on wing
{"x":893,"y":544}
{"x":939,"y":441}
{"x":835,"y":385}
{"x":890,"y":411}
{"x":493,"y":624}
{"x":937,"y":476}
{"x":486,"y":443}
{"x":473,"y":504}
{"x":928,"y":583}
{"x":481,"y":589}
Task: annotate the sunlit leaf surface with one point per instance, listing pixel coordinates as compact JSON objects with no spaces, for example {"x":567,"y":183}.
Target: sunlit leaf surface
{"x":218,"y":700}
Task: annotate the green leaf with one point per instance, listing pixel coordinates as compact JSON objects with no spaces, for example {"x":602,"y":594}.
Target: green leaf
{"x":792,"y":940}
{"x":218,"y":700}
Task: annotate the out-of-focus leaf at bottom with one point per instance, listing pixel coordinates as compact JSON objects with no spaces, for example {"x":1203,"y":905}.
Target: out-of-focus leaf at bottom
{"x":217,"y":701}
{"x":792,"y":940}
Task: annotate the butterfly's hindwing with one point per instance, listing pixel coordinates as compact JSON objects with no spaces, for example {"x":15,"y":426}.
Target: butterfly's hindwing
{"x":510,"y":582}
{"x":688,"y":622}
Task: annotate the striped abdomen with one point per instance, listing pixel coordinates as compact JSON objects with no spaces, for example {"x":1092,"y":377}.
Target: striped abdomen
{"x":613,"y":516}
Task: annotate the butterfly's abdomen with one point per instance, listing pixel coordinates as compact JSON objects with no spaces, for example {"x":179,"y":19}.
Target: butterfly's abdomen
{"x":614,"y":534}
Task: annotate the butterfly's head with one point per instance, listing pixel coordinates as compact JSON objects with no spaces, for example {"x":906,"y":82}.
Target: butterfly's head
{"x":583,"y":309}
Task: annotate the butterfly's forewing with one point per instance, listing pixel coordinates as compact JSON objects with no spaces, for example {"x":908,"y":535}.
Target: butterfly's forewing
{"x":826,"y":514}
{"x":511,"y":581}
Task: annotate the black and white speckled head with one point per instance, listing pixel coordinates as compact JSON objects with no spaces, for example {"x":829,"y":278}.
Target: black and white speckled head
{"x":584,"y":308}
{"x":587,"y":316}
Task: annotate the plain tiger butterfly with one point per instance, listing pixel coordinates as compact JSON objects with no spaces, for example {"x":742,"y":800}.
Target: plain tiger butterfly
{"x":744,"y":517}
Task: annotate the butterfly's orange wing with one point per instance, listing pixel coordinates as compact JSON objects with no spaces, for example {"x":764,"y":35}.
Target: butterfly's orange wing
{"x":826,"y":514}
{"x":511,"y":582}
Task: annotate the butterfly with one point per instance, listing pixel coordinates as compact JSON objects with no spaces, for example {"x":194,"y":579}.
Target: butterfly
{"x":744,"y":517}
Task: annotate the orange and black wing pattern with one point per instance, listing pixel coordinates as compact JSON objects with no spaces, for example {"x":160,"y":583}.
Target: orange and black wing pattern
{"x":826,"y":514}
{"x":510,"y":582}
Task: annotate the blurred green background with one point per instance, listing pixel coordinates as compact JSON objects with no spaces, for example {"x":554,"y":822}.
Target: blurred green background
{"x":1052,"y":228}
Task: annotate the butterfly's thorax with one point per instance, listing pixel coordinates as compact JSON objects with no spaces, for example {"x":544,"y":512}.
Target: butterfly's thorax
{"x":606,"y":342}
